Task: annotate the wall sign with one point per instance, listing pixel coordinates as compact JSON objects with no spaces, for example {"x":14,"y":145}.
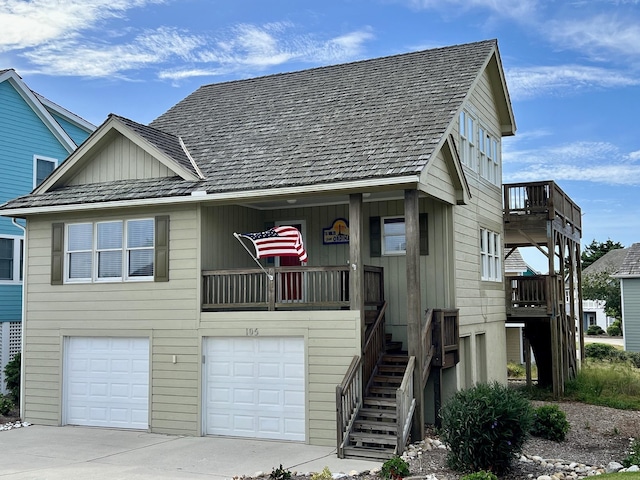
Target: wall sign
{"x":338,"y":232}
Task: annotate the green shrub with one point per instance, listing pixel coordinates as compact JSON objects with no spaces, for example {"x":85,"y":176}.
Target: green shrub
{"x":595,"y":330}
{"x":5,"y":405}
{"x":599,"y":351}
{"x":394,"y":468}
{"x":615,"y":329}
{"x":12,"y":378}
{"x":515,"y":370}
{"x":633,"y":458}
{"x":481,"y":475}
{"x":280,"y":474}
{"x":325,"y":474}
{"x":550,"y":422}
{"x":485,"y":427}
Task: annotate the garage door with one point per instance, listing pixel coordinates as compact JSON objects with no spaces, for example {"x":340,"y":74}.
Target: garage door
{"x":255,"y":387}
{"x":106,"y":382}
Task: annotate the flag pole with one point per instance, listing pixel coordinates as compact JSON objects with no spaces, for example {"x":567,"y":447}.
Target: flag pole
{"x":254,"y":258}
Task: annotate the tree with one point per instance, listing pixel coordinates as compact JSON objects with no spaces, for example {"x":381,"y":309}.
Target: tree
{"x":595,"y":250}
{"x":602,"y":286}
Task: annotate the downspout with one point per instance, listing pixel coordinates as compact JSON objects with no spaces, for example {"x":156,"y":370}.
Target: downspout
{"x":22,"y":320}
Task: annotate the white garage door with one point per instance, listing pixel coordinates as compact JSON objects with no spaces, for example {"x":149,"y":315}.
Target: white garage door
{"x":106,"y":382}
{"x":254,"y":387}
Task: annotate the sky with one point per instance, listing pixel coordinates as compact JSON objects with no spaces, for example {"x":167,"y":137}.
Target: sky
{"x":572,"y":70}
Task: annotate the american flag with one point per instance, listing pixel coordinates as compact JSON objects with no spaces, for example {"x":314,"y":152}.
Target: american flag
{"x":281,"y":241}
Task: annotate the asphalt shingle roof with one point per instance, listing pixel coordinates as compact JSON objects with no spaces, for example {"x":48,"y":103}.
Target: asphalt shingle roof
{"x":610,"y":262}
{"x":631,"y":263}
{"x":371,"y":119}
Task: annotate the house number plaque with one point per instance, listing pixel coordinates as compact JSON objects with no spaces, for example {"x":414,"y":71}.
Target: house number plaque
{"x":252,"y":332}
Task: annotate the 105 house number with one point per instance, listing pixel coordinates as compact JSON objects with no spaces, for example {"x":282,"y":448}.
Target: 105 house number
{"x":252,"y":332}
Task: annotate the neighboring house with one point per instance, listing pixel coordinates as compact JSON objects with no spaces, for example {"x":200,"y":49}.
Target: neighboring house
{"x":35,"y":136}
{"x":144,"y":311}
{"x":514,"y":266}
{"x":629,"y":275}
{"x":594,"y":310}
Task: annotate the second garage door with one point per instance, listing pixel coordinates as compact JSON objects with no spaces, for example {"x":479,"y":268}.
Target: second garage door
{"x":106,"y":382}
{"x":255,"y":387}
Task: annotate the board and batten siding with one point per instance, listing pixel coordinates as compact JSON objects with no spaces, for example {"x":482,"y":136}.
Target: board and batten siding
{"x":631,"y":313}
{"x":159,"y":310}
{"x":120,"y":159}
{"x":331,"y":340}
{"x":481,"y":303}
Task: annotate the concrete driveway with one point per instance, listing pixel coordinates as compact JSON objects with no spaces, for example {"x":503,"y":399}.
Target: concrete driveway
{"x":52,"y":453}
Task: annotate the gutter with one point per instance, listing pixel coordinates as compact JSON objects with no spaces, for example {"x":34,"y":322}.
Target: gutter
{"x":23,"y":319}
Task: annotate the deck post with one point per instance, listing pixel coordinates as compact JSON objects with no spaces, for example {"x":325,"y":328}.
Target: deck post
{"x":356,"y":270}
{"x":412,"y":232}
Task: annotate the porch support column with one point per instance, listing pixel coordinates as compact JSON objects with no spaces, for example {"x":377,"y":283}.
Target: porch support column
{"x":356,"y":268}
{"x":412,"y":225}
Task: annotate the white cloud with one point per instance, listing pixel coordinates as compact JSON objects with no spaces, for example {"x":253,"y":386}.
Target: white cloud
{"x":31,"y":23}
{"x":521,"y":9}
{"x":597,"y":162}
{"x":524,"y":83}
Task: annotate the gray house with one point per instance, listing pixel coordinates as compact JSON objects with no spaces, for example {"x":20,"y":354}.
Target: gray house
{"x":629,"y":275}
{"x":144,"y":310}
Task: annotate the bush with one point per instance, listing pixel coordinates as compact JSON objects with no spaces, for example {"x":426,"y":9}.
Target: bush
{"x":595,"y":330}
{"x":324,"y":475}
{"x":485,"y":427}
{"x":633,"y":458}
{"x":481,"y":475}
{"x":280,"y":474}
{"x":550,"y":422}
{"x":515,"y":370}
{"x":394,"y":468}
{"x":5,"y":405}
{"x":12,"y":378}
{"x":599,"y":351}
{"x":615,"y":329}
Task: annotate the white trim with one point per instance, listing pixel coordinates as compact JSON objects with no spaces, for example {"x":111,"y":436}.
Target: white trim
{"x":193,"y":162}
{"x":16,"y":259}
{"x":37,"y":157}
{"x":66,"y":114}
{"x":392,"y":253}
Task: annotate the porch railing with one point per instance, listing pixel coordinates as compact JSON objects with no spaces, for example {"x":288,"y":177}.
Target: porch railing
{"x":291,"y":287}
{"x":405,"y":406}
{"x":540,"y":198}
{"x":529,"y":292}
{"x":446,"y":338}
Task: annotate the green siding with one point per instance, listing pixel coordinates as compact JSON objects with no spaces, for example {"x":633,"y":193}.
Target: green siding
{"x":631,"y":313}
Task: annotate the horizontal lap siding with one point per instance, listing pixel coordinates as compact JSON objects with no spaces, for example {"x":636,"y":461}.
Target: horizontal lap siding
{"x":331,"y":339}
{"x":166,"y":312}
{"x":631,"y":320}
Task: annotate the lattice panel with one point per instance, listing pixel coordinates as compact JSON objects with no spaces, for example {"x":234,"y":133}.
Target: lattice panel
{"x":15,"y":338}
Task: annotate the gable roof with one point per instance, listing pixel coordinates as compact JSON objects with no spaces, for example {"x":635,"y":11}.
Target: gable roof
{"x":40,"y":105}
{"x":610,"y":262}
{"x":630,"y":267}
{"x":369,"y":123}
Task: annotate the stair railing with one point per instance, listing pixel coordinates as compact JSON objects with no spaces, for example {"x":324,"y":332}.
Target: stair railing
{"x":405,"y":406}
{"x":348,"y":403}
{"x":428,"y":349}
{"x":373,"y":348}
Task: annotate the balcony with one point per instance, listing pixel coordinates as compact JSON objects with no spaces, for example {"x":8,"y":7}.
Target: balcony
{"x":294,"y":288}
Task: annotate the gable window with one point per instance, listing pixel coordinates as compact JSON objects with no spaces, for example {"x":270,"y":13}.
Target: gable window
{"x":490,"y":256}
{"x":42,"y":167}
{"x":110,"y":251}
{"x":394,"y":240}
{"x":467,"y":128}
{"x":11,"y":261}
{"x":488,"y":156}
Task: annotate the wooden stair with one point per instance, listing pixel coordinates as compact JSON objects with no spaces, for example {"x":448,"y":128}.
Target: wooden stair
{"x":374,"y":435}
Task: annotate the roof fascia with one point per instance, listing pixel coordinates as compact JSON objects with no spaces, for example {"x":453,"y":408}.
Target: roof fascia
{"x":66,"y":114}
{"x":72,"y":164}
{"x":407,"y":182}
{"x":39,"y":109}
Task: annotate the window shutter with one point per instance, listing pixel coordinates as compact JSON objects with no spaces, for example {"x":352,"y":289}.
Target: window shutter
{"x":161,"y":267}
{"x":424,"y":234}
{"x":57,"y":253}
{"x":375,"y":237}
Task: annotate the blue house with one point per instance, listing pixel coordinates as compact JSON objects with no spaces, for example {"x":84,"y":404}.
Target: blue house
{"x":36,"y":135}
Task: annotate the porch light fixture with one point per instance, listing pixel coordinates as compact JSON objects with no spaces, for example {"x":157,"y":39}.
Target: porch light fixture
{"x":291,"y":201}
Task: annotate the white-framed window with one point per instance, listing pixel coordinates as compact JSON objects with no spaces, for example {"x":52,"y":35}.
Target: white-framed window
{"x":467,"y":127}
{"x":42,"y":167}
{"x":112,"y":251}
{"x":490,"y":255}
{"x":11,"y":259}
{"x":394,"y":237}
{"x":488,"y":153}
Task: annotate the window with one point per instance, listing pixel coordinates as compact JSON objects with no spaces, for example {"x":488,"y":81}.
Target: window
{"x":490,"y":256}
{"x":394,"y":240}
{"x":110,"y":251}
{"x":488,"y":156}
{"x":11,"y":259}
{"x":467,"y":126}
{"x":42,"y":167}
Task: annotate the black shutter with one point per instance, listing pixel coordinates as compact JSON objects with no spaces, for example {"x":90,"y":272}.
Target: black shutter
{"x":375,"y":237}
{"x":161,"y":263}
{"x":424,"y":234}
{"x":57,"y":253}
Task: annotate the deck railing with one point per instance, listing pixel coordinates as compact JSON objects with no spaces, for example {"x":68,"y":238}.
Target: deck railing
{"x":529,"y":292}
{"x":446,"y":338}
{"x":540,"y":198}
{"x":292,"y":287}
